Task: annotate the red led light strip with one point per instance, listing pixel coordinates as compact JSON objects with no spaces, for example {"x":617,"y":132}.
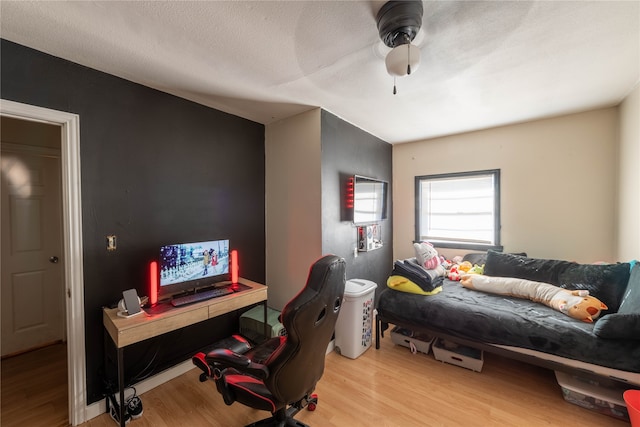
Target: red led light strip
{"x":153,"y":283}
{"x":234,"y":266}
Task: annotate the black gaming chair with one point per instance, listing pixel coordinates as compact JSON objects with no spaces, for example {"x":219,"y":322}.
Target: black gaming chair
{"x":280,"y":374}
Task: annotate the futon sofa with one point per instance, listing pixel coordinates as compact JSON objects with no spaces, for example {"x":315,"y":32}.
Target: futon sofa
{"x":527,"y":330}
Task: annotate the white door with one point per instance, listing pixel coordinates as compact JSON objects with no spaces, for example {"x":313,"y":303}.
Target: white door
{"x":33,"y":310}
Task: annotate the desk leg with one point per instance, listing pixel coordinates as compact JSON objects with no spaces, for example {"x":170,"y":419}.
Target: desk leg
{"x":121,"y":384}
{"x":267,"y":335}
{"x":106,"y":340}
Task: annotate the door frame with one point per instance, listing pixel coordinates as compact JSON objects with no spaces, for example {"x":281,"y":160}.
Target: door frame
{"x":72,"y":242}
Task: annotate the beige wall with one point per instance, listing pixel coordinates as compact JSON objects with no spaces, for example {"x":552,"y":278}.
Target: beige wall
{"x":293,"y":204}
{"x":629,"y":176}
{"x":558,"y":183}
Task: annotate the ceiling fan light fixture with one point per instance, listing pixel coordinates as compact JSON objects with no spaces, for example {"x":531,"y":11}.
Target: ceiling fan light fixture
{"x":403,"y":60}
{"x":398,"y":24}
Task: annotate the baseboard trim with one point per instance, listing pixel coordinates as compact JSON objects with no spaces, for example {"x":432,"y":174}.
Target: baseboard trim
{"x":98,"y":408}
{"x":331,"y":346}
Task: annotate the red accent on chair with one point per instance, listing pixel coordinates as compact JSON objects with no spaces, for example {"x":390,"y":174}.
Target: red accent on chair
{"x":199,"y":360}
{"x":251,"y":386}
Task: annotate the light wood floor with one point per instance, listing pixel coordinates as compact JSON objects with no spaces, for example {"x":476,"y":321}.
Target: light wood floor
{"x":387,"y":387}
{"x":34,"y":389}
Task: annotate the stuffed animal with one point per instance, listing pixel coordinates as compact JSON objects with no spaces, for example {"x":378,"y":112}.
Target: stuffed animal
{"x":465,"y":266}
{"x":427,"y":256}
{"x":577,"y":304}
{"x":453,"y":273}
{"x":476,"y":269}
{"x":456,"y":271}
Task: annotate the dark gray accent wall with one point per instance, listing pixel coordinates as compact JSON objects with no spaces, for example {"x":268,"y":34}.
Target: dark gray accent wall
{"x":347,"y":151}
{"x":156,"y":169}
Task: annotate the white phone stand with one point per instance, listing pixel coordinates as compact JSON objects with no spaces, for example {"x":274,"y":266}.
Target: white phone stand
{"x":129,"y":305}
{"x":126,"y":314}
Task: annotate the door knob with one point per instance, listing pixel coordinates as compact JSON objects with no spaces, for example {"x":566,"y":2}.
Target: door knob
{"x":53,"y":260}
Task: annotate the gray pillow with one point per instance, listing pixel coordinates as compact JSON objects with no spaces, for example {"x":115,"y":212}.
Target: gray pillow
{"x":607,"y":282}
{"x":480,"y":258}
{"x":619,"y":326}
{"x":509,"y":265}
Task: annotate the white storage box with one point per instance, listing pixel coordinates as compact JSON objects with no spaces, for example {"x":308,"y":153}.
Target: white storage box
{"x":457,"y":354}
{"x":599,"y":395}
{"x":355,"y":320}
{"x":406,"y":338}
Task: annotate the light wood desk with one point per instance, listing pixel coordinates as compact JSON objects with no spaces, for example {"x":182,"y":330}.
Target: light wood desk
{"x":166,"y":318}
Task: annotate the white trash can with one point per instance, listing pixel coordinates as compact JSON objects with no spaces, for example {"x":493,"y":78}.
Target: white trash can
{"x":355,"y":320}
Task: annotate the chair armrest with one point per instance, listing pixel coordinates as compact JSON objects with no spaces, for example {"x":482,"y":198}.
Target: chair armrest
{"x":228,"y":359}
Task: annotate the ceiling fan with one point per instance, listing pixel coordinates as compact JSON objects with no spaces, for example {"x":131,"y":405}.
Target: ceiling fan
{"x":398,"y":24}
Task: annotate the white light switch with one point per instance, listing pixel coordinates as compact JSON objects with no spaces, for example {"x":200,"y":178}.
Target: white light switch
{"x":111,"y":243}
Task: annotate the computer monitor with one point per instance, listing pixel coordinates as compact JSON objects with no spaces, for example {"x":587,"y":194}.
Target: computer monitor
{"x":189,"y":266}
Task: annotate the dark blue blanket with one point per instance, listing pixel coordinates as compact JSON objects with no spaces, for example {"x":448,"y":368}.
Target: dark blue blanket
{"x":497,"y":319}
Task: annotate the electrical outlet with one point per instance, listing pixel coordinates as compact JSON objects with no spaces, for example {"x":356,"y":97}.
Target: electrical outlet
{"x":111,"y":242}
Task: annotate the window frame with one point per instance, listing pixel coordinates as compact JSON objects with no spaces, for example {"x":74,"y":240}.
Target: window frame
{"x":496,"y":202}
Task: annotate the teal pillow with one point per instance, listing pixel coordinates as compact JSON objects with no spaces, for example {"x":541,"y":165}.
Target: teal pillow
{"x":631,"y":299}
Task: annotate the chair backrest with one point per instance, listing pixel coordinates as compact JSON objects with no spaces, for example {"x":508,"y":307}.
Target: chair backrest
{"x":310,"y":319}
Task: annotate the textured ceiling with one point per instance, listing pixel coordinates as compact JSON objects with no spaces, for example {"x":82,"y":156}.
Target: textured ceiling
{"x":483,"y":63}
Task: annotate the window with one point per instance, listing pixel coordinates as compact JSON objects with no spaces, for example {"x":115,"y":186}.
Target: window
{"x":459,"y":210}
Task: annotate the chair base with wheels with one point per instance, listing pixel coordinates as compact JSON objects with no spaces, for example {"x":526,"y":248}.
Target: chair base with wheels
{"x":284,"y":417}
